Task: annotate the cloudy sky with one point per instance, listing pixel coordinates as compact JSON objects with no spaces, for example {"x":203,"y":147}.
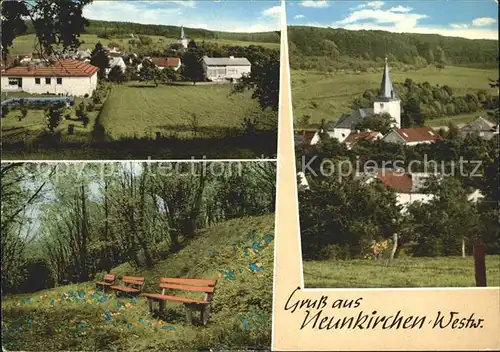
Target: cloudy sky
{"x":221,"y":15}
{"x":472,"y":19}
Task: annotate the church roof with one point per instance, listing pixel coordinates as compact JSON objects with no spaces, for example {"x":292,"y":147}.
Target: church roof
{"x":350,"y":120}
{"x":387,"y":91}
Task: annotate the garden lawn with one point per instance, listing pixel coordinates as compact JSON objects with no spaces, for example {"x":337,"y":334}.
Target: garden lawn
{"x":141,"y":110}
{"x":404,"y":272}
{"x":327,"y":95}
{"x":77,"y":317}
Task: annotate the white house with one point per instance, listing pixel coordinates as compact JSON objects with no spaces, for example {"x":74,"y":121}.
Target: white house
{"x":386,"y":102}
{"x":116,"y":61}
{"x":221,"y":68}
{"x":412,"y":136}
{"x":68,"y":77}
{"x":480,"y":127}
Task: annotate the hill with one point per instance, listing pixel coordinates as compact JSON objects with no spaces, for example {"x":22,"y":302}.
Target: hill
{"x":73,"y":317}
{"x":327,"y":48}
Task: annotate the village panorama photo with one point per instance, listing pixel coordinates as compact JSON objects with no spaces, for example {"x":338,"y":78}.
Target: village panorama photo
{"x":139,"y":80}
{"x":396,"y":121}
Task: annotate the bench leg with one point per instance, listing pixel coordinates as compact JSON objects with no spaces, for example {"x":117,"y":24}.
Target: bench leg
{"x":189,"y":315}
{"x":150,"y":305}
{"x":205,"y":314}
{"x":162,"y":305}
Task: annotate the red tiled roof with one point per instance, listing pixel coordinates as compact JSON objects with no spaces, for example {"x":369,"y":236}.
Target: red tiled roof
{"x":61,"y":68}
{"x":419,"y":134}
{"x":305,"y":136}
{"x":354,"y":136}
{"x":398,"y":181}
{"x":166,"y":61}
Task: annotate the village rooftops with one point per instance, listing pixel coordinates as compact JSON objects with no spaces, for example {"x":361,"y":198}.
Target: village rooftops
{"x":349,"y":121}
{"x":166,"y":61}
{"x":226,"y":61}
{"x":418,"y":134}
{"x":60,"y":68}
{"x":354,"y":137}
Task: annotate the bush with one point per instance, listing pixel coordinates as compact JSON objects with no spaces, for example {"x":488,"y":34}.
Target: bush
{"x":90,"y":107}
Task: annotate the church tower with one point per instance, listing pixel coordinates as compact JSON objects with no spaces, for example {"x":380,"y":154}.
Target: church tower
{"x":387,"y":100}
{"x":183,"y":40}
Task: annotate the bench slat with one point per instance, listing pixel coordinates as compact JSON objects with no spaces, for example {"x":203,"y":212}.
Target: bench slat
{"x":197,"y":282}
{"x":104,"y":283}
{"x":133,"y":278}
{"x":109,"y":277}
{"x":125,"y":289}
{"x":134,"y":282}
{"x":188,"y":288}
{"x":158,"y":296}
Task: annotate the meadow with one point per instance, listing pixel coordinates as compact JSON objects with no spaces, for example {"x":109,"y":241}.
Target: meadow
{"x":181,"y":110}
{"x":27,"y":43}
{"x":327,"y":95}
{"x":404,"y":272}
{"x":78,"y":317}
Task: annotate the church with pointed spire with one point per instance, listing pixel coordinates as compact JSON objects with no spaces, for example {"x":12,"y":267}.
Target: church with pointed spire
{"x":387,"y":101}
{"x":183,"y":40}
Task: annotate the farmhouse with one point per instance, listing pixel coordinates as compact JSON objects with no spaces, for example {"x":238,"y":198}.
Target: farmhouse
{"x":480,"y":127}
{"x":116,"y":61}
{"x":167,"y":62}
{"x":386,"y":102}
{"x":68,"y":77}
{"x":411,"y":136}
{"x":222,"y":68}
{"x":310,"y":137}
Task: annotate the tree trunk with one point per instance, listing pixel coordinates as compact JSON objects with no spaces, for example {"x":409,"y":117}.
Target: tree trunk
{"x":463,"y":247}
{"x":394,"y":248}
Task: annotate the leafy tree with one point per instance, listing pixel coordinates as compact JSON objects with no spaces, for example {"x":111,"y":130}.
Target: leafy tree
{"x":116,"y":74}
{"x":53,"y":118}
{"x":192,"y":69}
{"x":100,"y":59}
{"x":382,"y":123}
{"x":149,"y":72}
{"x":56,"y":23}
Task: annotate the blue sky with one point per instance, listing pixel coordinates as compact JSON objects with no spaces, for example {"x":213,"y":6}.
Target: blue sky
{"x":222,"y":15}
{"x":470,"y":19}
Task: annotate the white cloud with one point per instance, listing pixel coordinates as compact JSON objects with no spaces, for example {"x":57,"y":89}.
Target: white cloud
{"x":459,"y":25}
{"x":186,"y":3}
{"x":176,"y":15}
{"x":401,"y":19}
{"x":371,"y":4}
{"x":400,"y":8}
{"x":483,"y":21}
{"x":298,"y":17}
{"x":315,"y":3}
{"x":274,"y":11}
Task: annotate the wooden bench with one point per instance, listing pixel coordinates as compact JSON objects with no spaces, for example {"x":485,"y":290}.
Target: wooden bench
{"x":108,"y":281}
{"x":131,"y":285}
{"x":194,"y":285}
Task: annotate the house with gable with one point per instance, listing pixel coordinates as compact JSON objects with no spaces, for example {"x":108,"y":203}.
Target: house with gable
{"x":386,"y":102}
{"x":225,"y":68}
{"x":480,"y":127}
{"x":412,"y":136}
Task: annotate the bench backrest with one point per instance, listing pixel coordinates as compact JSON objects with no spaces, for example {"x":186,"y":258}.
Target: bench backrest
{"x":206,"y":286}
{"x":109,"y":278}
{"x":135,"y":282}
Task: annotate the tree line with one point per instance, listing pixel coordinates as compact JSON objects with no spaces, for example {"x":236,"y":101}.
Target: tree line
{"x":313,"y":48}
{"x":65,"y":227}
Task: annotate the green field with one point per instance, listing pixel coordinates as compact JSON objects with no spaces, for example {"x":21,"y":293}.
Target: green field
{"x":327,"y":95}
{"x":241,"y":312}
{"x":26,"y":43}
{"x":404,"y":272}
{"x":137,"y":110}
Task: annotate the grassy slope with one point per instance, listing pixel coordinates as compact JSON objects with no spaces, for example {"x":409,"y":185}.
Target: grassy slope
{"x":132,"y":111}
{"x":405,"y":272}
{"x":333,"y":93}
{"x":26,"y":43}
{"x":249,"y":293}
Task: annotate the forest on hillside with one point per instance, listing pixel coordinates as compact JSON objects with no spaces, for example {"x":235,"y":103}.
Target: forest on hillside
{"x":108,"y":29}
{"x":327,"y":48}
{"x":64,"y":223}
